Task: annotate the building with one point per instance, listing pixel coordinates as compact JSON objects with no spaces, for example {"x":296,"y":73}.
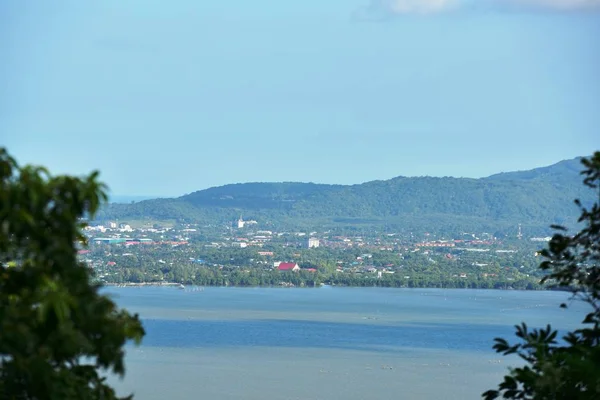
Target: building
{"x":541,"y":239}
{"x":288,"y":267}
{"x":109,"y":240}
{"x":240,"y":223}
{"x":312,"y":243}
{"x":99,"y":228}
{"x":125,"y":228}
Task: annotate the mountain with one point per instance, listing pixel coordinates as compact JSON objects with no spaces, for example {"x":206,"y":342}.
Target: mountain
{"x":536,"y":199}
{"x":562,"y":172}
{"x":115,"y":198}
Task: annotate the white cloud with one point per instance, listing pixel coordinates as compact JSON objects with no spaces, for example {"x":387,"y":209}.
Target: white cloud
{"x":418,"y":6}
{"x":439,"y":6}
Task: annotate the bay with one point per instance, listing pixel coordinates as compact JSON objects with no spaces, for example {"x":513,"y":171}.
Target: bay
{"x":326,"y":343}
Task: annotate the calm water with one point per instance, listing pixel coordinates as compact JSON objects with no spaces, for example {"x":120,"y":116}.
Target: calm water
{"x":327,"y":343}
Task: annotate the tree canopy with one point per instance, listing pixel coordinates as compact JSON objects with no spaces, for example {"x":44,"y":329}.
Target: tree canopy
{"x":59,"y":335}
{"x":567,"y":368}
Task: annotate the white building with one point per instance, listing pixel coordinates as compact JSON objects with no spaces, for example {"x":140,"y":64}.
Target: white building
{"x":240,"y":223}
{"x":125,"y":228}
{"x":100,"y":228}
{"x":312,"y":243}
{"x":541,"y":239}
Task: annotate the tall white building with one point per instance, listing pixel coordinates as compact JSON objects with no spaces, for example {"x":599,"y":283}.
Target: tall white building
{"x":240,"y":223}
{"x":312,"y":242}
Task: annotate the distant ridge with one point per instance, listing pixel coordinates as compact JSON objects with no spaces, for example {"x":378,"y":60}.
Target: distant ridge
{"x":127,"y":199}
{"x":565,"y":169}
{"x":535,"y":198}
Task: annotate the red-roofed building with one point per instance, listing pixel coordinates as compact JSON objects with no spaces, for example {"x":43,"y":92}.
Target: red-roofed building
{"x":288,"y":267}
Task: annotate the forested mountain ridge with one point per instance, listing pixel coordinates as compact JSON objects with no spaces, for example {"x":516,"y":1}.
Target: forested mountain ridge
{"x":534,"y":198}
{"x":560,"y":173}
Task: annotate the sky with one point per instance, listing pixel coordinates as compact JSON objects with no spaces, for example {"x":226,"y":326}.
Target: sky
{"x":169,"y":97}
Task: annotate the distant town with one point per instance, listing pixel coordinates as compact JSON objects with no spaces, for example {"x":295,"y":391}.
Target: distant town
{"x":243,"y":254}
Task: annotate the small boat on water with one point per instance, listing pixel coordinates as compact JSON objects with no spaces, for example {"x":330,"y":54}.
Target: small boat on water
{"x":181,"y":286}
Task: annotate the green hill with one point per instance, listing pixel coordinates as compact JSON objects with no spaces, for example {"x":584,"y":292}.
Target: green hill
{"x":535,"y":199}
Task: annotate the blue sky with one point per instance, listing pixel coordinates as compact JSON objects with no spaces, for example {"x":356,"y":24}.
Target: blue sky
{"x":165,"y":98}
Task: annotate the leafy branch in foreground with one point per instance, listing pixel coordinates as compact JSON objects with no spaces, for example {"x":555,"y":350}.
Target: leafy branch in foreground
{"x":569,"y":369}
{"x":58,"y":334}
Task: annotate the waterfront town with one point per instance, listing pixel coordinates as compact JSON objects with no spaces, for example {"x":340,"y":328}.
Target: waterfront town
{"x":244,"y":254}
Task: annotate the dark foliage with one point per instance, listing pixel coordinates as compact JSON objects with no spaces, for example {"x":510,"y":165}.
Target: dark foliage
{"x":568,"y":369}
{"x":57,"y":333}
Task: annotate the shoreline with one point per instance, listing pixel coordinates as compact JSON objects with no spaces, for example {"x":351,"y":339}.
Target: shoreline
{"x":141,"y":284}
{"x":183,"y":286}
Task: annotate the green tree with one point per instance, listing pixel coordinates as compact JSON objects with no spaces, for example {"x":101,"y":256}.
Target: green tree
{"x":569,"y":369}
{"x":58,"y":334}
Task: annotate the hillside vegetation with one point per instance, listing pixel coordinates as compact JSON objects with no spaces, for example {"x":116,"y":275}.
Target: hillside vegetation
{"x":535,"y":199}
